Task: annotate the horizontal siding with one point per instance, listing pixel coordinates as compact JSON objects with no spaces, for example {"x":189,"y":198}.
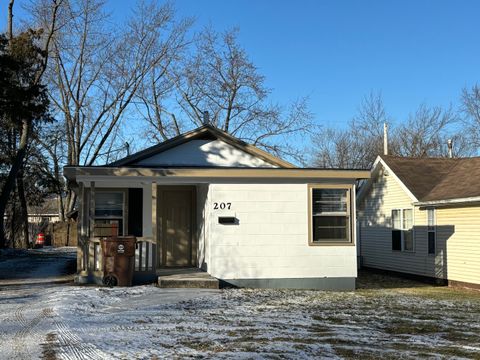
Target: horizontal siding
{"x":462,"y":227}
{"x":271,"y":238}
{"x":374,"y":218}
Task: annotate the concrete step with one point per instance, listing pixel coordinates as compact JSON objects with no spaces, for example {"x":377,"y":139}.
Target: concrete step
{"x":188,"y":279}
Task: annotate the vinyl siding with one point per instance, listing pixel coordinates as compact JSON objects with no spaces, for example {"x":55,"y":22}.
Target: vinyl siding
{"x":460,"y":227}
{"x":375,"y":235}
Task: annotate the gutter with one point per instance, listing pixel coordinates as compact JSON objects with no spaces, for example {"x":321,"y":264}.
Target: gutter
{"x":448,"y":201}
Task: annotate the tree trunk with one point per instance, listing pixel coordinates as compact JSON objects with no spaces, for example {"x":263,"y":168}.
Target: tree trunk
{"x":22,"y":233}
{"x":70,"y":201}
{"x":12,"y":175}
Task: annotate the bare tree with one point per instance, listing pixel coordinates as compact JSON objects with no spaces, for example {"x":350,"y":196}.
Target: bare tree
{"x":98,"y":67}
{"x":360,"y":143}
{"x":425,"y":133}
{"x":52,"y":144}
{"x":216,"y":75}
{"x":470,"y":108}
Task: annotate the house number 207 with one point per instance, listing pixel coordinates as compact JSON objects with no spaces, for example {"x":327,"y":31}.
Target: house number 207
{"x":222,"y":206}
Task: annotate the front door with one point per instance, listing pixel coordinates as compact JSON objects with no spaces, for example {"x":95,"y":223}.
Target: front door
{"x":176,"y":204}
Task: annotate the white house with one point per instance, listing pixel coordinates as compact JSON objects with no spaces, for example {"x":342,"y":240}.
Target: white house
{"x":422,"y":217}
{"x":206,"y":199}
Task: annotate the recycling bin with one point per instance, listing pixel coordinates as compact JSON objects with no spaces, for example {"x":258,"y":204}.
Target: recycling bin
{"x":118,"y":260}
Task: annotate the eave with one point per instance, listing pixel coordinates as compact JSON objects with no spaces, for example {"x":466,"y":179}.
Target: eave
{"x":73,"y":173}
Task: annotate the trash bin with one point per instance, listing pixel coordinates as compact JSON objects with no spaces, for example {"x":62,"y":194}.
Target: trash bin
{"x":118,"y":260}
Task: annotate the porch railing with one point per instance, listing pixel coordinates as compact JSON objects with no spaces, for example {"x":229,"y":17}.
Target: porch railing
{"x":145,"y":258}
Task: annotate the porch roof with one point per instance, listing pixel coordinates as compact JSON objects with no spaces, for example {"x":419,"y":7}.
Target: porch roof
{"x":72,"y":173}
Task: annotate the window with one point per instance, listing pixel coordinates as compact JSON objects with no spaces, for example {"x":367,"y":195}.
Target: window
{"x":402,"y":230}
{"x":108,"y":214}
{"x":432,"y":236}
{"x":330,"y":215}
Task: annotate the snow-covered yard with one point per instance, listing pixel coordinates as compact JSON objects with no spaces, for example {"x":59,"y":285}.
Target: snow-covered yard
{"x":399,"y":318}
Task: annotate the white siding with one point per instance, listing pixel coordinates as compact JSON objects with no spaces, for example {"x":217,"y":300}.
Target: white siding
{"x":205,"y":153}
{"x":376,"y":232}
{"x":271,"y":239}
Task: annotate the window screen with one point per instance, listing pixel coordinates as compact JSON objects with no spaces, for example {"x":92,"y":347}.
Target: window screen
{"x":109,"y":205}
{"x":108,"y":214}
{"x":330,"y":215}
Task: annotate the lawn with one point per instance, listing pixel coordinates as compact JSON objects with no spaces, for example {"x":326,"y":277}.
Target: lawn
{"x":386,"y":317}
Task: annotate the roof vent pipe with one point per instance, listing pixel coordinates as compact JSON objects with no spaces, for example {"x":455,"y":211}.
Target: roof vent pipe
{"x":385,"y":138}
{"x":206,"y":118}
{"x":450,"y":148}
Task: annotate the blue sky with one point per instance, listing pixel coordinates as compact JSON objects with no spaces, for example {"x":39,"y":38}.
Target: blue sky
{"x":338,"y":51}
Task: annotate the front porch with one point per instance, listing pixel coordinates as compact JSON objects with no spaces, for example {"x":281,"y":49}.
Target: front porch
{"x":163,"y":218}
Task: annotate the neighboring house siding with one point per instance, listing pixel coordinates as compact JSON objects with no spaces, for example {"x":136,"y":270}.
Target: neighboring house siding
{"x":460,"y":227}
{"x":374,"y":219}
{"x":271,"y":238}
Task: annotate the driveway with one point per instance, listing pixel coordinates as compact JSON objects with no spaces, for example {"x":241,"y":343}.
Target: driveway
{"x":38,"y":302}
{"x":37,"y":266}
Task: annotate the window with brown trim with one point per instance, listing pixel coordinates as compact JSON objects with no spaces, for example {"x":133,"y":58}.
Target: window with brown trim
{"x":330,"y":215}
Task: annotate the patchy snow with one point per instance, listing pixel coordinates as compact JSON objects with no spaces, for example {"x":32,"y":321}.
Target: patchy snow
{"x":385,"y":318}
{"x":145,"y":322}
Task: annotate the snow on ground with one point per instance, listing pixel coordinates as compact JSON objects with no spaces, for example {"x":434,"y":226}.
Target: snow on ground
{"x":145,"y":322}
{"x":385,"y":318}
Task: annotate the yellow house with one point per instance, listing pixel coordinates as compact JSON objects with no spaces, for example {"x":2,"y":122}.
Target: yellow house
{"x":421,"y":216}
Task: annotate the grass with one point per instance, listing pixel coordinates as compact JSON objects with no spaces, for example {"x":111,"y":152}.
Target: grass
{"x":387,"y":317}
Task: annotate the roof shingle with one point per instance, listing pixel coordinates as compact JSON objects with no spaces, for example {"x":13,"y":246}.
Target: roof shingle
{"x":431,"y":179}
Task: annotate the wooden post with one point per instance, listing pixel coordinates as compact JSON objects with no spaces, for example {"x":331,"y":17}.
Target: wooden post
{"x":81,"y":230}
{"x":91,"y":217}
{"x":91,"y":226}
{"x":80,"y":247}
{"x":154,"y":216}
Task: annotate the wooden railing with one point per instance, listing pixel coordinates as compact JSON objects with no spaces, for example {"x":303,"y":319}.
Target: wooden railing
{"x":145,"y":256}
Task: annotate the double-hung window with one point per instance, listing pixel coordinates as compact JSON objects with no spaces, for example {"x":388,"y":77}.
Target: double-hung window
{"x":109,"y":213}
{"x":330,"y":220}
{"x":402,"y":230}
{"x":432,"y":236}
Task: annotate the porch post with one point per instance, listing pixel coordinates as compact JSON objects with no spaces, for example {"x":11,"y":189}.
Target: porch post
{"x":156,"y":247}
{"x":154,"y":212}
{"x":91,"y":217}
{"x":147,"y":230}
{"x":80,"y":229}
{"x":91,"y":232}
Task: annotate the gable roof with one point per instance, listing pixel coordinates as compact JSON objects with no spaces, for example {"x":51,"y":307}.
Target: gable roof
{"x":437,"y":179}
{"x":463,"y":181}
{"x":205,"y":132}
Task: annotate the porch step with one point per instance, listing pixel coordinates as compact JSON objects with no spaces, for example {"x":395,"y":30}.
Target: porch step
{"x":187,"y":278}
